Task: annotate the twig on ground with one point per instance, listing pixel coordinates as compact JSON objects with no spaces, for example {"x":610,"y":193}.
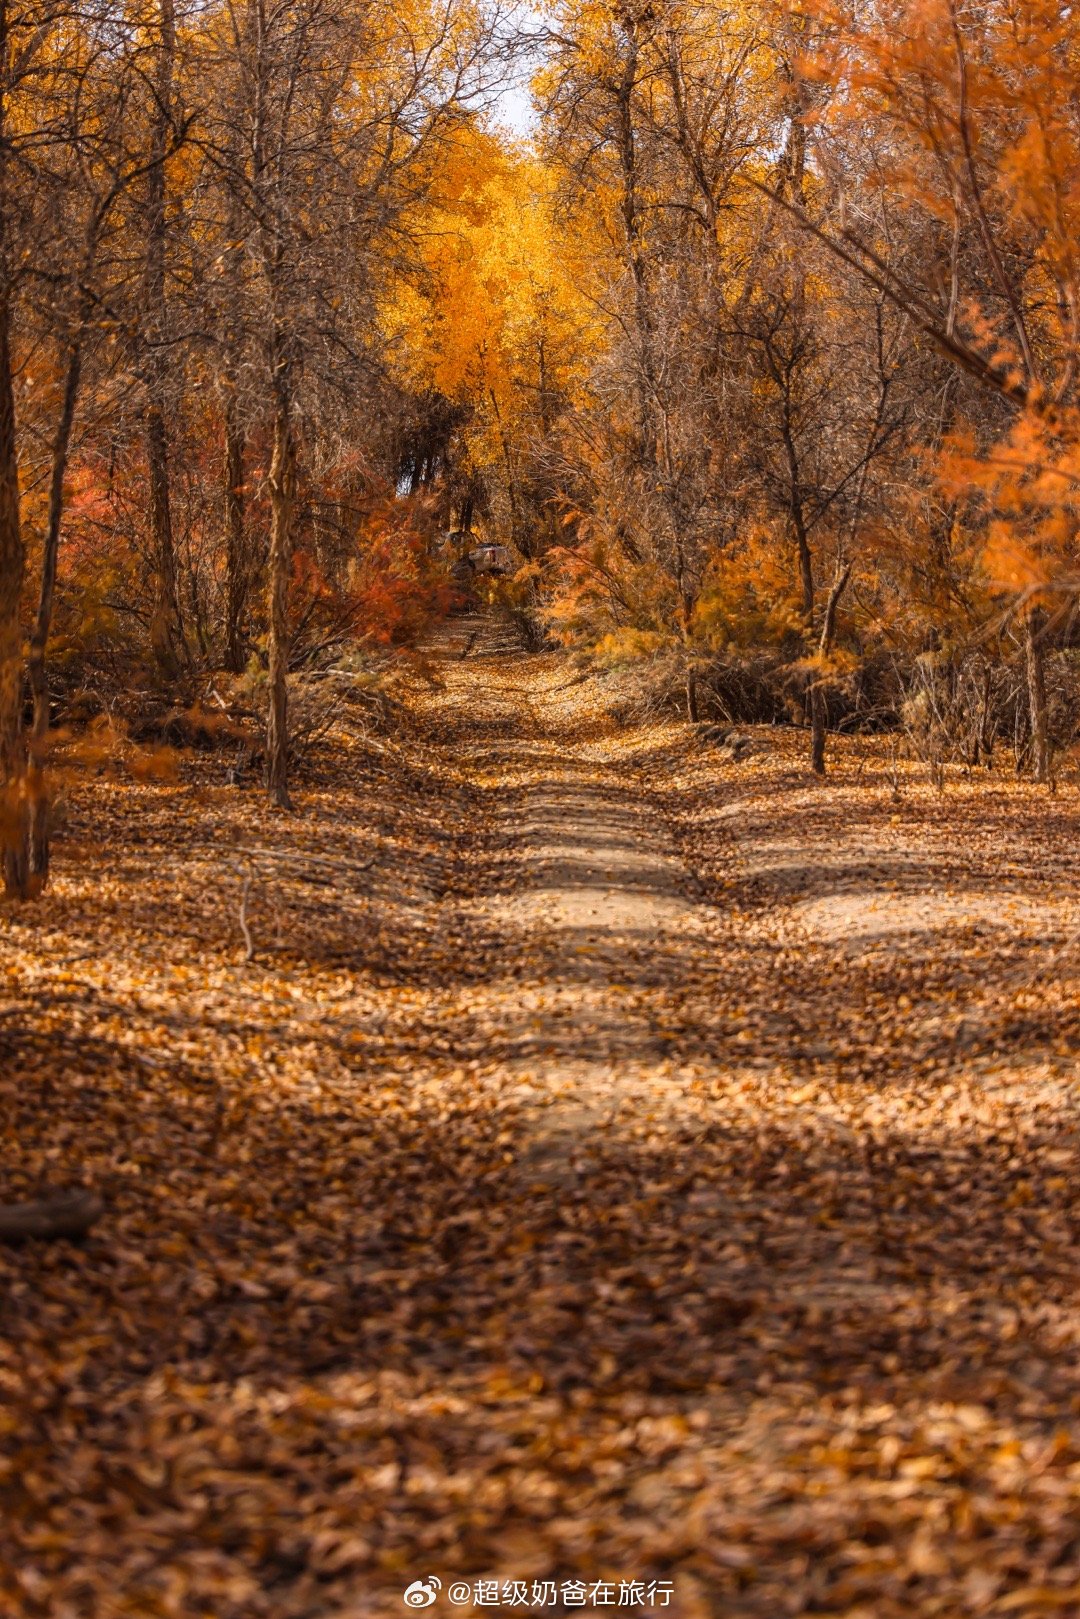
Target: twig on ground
{"x":249,"y":946}
{"x":66,"y":1214}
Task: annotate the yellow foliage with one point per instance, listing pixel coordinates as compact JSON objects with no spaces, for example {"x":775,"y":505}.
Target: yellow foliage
{"x":495,"y":317}
{"x":628,"y":645}
{"x":748,"y":598}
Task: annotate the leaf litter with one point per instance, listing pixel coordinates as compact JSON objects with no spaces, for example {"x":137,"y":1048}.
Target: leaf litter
{"x":470,"y":1224}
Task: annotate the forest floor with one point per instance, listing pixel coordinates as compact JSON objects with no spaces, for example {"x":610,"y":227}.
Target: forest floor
{"x":603,"y":1161}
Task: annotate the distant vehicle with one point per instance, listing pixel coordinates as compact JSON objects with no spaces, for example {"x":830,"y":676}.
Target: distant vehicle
{"x":483,"y":559}
{"x":492,"y":559}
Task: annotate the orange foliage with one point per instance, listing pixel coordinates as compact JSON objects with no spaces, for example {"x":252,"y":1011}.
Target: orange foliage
{"x":395,"y":589}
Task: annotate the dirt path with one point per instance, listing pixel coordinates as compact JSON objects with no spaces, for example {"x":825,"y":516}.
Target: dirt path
{"x":596,"y":893}
{"x":612,"y":1163}
{"x":803,"y":1228}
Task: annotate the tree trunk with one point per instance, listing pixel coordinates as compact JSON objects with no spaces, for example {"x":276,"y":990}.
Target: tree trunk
{"x":630,"y":208}
{"x":818,"y":705}
{"x":39,"y":639}
{"x":166,"y":633}
{"x":12,"y":555}
{"x":816,"y":702}
{"x":165,"y":627}
{"x":1035,"y":660}
{"x":281,"y":499}
{"x":236,"y":582}
{"x":691,"y":697}
{"x":818,"y":716}
{"x":12,"y":574}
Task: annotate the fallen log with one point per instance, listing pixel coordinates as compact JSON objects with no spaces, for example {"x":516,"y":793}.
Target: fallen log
{"x":66,"y":1214}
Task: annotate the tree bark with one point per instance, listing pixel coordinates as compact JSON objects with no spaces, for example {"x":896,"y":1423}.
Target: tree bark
{"x":167,"y":635}
{"x":236,"y":561}
{"x":12,"y":554}
{"x":165,"y":627}
{"x":818,"y":720}
{"x":792,"y":181}
{"x":12,"y":576}
{"x":39,"y":638}
{"x":281,"y":507}
{"x":1035,"y":661}
{"x":630,"y":207}
{"x":691,"y":697}
{"x":818,"y":706}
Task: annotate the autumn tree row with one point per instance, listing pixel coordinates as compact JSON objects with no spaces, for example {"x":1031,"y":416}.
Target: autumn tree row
{"x":779,"y":376}
{"x":762,"y":354}
{"x":202,"y":209}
